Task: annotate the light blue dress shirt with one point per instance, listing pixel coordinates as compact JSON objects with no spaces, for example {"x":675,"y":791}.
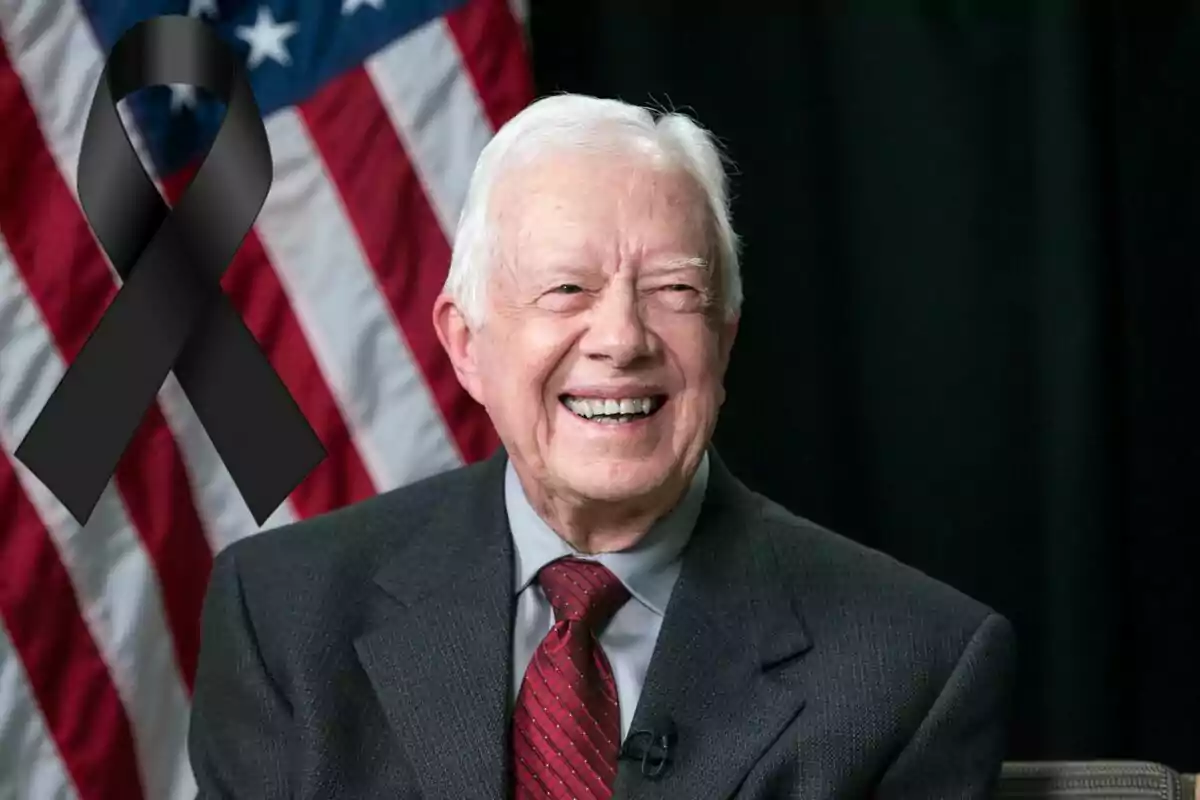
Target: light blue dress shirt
{"x":648,"y":570}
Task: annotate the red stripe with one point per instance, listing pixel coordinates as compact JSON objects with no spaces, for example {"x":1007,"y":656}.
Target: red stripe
{"x":493,"y":50}
{"x":253,"y":287}
{"x":68,"y":676}
{"x":399,"y":233}
{"x":71,"y":283}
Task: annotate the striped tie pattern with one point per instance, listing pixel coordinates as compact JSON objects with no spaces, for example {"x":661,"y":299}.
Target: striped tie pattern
{"x":567,"y":722}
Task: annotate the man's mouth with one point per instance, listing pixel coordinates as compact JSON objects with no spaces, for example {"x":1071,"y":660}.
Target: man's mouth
{"x":613,"y":411}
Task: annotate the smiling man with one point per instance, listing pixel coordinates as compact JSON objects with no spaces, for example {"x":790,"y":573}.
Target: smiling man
{"x":601,"y":609}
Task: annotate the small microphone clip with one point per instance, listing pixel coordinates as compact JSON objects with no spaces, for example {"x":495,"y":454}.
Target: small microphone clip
{"x":652,"y":747}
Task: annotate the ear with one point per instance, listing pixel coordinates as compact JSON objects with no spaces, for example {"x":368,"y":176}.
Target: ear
{"x":459,"y":342}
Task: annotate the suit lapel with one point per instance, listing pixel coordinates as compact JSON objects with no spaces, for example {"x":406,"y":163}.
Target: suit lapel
{"x":725,"y":669}
{"x":438,"y":650}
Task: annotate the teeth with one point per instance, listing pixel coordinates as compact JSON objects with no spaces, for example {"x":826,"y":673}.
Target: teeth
{"x":596,"y":407}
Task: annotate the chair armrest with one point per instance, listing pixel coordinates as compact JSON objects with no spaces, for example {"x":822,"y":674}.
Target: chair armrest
{"x":1134,"y":780}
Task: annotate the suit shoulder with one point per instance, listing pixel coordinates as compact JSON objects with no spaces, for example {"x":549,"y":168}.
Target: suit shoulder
{"x":826,"y":567}
{"x":347,"y":537}
{"x":307,"y":586}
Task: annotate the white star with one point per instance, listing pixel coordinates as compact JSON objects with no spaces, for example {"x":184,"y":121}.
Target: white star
{"x":199,"y":8}
{"x":267,"y":38}
{"x":183,"y":95}
{"x":350,"y":6}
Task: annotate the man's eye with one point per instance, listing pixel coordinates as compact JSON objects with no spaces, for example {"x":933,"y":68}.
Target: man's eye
{"x":568,"y":288}
{"x":679,"y":287}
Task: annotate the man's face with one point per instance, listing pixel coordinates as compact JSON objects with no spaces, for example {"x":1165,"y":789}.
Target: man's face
{"x":604,"y":346}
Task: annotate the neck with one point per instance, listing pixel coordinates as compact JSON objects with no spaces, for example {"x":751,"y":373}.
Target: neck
{"x":599,"y":526}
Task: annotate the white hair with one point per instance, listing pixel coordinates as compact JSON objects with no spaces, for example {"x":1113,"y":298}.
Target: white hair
{"x":583,"y":122}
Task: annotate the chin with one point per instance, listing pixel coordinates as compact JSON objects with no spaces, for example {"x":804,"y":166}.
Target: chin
{"x":614,"y":480}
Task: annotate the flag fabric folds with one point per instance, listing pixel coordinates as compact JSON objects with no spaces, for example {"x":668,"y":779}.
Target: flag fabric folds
{"x":376,"y":111}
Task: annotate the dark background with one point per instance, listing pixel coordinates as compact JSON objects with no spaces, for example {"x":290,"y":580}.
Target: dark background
{"x":972,"y":323}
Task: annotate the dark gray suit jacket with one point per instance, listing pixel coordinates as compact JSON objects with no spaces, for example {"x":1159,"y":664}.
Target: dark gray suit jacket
{"x":365,"y":654}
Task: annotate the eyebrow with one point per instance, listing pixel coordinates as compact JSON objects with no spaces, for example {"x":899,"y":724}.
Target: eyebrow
{"x":694,"y":262}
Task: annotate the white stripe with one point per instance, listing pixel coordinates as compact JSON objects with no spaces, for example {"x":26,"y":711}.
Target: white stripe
{"x":30,"y":763}
{"x":432,"y":103}
{"x":520,"y":10}
{"x":391,"y":415}
{"x":116,"y":584}
{"x":54,"y":50}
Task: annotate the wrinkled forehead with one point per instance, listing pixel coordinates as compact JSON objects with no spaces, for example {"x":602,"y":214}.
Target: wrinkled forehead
{"x":599,"y":202}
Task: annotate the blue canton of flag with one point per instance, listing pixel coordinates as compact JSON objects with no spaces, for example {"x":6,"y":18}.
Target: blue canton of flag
{"x":291,"y":48}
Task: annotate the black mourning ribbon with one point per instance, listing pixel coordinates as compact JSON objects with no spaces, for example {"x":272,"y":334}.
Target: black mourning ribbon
{"x":170,"y":313}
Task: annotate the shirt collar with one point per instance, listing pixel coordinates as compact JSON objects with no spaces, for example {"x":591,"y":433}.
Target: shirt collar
{"x":648,"y":569}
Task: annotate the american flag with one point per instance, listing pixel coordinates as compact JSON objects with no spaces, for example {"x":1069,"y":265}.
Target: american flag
{"x":376,"y":111}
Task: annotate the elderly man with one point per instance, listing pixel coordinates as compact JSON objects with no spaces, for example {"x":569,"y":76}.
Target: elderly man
{"x":601,"y":609}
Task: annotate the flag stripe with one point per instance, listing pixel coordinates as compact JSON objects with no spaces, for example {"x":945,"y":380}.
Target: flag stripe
{"x":493,"y":50}
{"x":520,"y":11}
{"x":347,"y":322}
{"x":436,"y":113}
{"x":52,"y":49}
{"x":70,"y":678}
{"x":441,"y":128}
{"x":253,"y":288}
{"x":68,"y":279}
{"x":29,"y":757}
{"x":350,"y":127}
{"x":117,"y":590}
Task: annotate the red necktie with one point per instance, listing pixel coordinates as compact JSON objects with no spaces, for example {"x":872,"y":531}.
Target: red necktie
{"x":567,"y":721}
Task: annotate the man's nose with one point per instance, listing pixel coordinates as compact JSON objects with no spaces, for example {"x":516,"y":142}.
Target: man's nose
{"x":617,"y":331}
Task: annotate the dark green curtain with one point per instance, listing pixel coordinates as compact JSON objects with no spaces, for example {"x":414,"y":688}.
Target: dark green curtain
{"x":972,"y":325}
